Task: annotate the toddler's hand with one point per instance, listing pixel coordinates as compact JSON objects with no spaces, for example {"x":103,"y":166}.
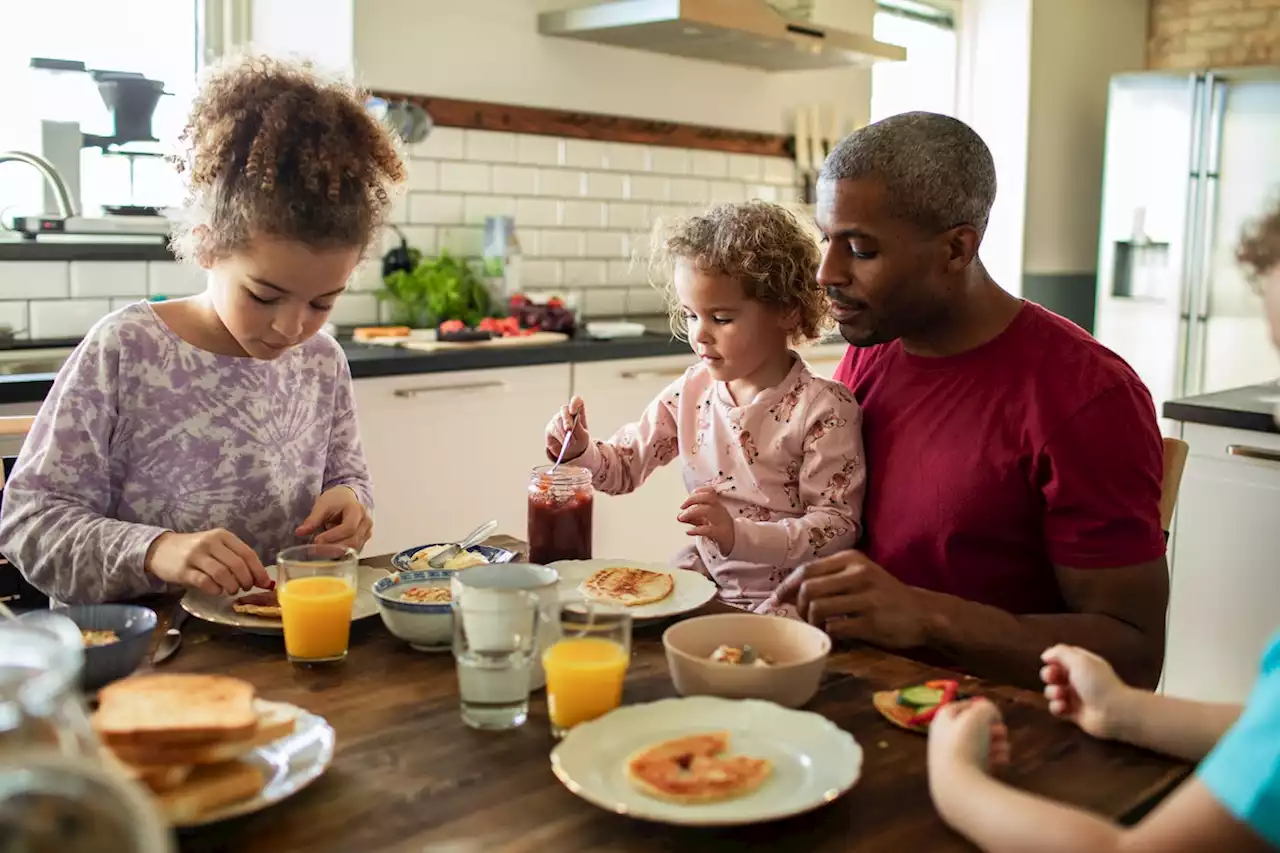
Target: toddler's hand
{"x":1083,"y":688}
{"x":707,"y":513}
{"x":215,"y":561}
{"x":967,"y":734}
{"x":559,"y":427}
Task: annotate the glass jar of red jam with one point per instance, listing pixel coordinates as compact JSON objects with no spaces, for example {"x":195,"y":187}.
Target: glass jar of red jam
{"x":560,"y":507}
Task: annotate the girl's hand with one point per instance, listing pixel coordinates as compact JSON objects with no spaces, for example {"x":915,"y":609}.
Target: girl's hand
{"x":967,"y":734}
{"x":340,"y":519}
{"x":1083,"y":688}
{"x":215,"y":561}
{"x":706,"y":512}
{"x":579,"y":440}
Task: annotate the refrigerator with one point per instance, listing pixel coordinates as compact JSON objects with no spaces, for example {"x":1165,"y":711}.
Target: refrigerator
{"x":1190,"y":159}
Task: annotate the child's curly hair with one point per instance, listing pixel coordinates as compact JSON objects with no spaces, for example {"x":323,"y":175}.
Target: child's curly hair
{"x":1259,"y":248}
{"x":761,"y":245}
{"x":274,"y":148}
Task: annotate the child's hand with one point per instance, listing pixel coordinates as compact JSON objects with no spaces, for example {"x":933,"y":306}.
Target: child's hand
{"x":338,"y":518}
{"x":706,"y":512}
{"x":215,"y":561}
{"x":1083,"y":688}
{"x":559,"y":426}
{"x":967,"y":734}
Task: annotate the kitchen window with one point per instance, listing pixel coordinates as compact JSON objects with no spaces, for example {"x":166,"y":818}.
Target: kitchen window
{"x":927,"y":79}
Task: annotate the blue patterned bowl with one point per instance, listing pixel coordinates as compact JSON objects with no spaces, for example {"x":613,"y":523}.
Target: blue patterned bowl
{"x":424,"y":626}
{"x":132,"y":623}
{"x":403,"y":560}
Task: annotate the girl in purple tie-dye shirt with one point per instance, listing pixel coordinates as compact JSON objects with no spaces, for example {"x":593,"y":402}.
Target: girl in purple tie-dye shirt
{"x":185,"y":443}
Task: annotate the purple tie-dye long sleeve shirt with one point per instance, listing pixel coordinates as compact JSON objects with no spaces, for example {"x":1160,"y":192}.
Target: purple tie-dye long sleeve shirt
{"x":144,"y":433}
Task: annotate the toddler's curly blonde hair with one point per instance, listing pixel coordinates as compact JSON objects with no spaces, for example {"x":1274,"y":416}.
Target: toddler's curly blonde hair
{"x":759,"y":244}
{"x":1259,"y":247}
{"x":274,"y":148}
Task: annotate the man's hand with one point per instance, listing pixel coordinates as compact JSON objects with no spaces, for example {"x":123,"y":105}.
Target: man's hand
{"x":338,"y":518}
{"x":705,"y":511}
{"x":876,"y":606}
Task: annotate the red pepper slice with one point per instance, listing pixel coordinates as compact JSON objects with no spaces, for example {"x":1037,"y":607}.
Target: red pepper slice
{"x":949,"y":690}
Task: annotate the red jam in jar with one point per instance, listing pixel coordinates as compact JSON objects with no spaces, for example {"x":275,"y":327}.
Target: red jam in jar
{"x":560,"y":507}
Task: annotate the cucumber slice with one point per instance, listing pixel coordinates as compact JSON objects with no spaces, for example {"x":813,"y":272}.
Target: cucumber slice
{"x":921,"y":697}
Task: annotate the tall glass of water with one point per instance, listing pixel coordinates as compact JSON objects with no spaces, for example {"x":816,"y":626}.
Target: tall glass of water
{"x":495,"y":640}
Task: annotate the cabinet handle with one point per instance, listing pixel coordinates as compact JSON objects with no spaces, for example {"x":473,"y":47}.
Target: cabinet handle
{"x":1247,"y":452}
{"x":406,"y":393}
{"x":669,"y":373}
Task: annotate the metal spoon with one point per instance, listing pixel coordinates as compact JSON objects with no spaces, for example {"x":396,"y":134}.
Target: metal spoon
{"x":573,"y":424}
{"x":476,"y":536}
{"x":172,"y":639}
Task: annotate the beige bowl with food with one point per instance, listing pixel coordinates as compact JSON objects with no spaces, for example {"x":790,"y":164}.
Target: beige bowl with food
{"x":796,"y":653}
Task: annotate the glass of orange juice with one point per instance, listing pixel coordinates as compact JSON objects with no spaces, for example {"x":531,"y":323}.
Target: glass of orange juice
{"x":587,"y":665}
{"x":316,"y":585}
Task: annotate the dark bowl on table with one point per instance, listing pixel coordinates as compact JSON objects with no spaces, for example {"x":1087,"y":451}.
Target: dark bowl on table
{"x":132,"y":623}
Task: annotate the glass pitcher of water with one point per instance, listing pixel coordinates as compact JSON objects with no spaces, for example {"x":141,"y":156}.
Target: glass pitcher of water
{"x":41,"y":656}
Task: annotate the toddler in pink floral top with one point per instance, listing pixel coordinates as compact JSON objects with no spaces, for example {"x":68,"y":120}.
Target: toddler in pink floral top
{"x":772,"y":454}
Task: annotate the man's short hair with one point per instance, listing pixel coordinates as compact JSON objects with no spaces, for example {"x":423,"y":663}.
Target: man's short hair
{"x":937,"y":171}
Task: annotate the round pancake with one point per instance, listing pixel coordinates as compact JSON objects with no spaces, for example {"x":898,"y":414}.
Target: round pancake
{"x":886,"y":702}
{"x":629,"y":587}
{"x":694,"y":769}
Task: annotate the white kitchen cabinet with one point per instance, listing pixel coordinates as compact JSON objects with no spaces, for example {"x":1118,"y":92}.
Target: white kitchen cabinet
{"x":448,"y":451}
{"x":640,"y":526}
{"x":1225,"y":596}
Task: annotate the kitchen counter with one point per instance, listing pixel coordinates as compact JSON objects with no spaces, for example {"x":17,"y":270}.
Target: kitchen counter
{"x":1251,"y":408}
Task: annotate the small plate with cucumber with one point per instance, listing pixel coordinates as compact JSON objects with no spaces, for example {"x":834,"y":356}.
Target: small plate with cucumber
{"x":913,"y":708}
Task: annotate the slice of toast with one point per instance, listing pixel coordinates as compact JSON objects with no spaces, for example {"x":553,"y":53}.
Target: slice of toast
{"x":210,"y":788}
{"x":157,"y":709}
{"x":275,"y":720}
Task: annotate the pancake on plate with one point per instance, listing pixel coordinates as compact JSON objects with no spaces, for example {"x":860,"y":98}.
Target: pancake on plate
{"x":695,"y":769}
{"x":627,"y":586}
{"x":263,"y":604}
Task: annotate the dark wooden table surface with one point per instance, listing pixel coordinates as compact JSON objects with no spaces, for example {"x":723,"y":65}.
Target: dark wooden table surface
{"x":408,"y":775}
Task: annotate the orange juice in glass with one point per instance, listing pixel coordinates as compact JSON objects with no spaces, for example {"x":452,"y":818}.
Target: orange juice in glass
{"x":316,"y":585}
{"x":586,"y":667}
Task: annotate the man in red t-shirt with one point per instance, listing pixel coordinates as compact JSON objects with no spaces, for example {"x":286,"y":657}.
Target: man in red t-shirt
{"x":1014,"y":464}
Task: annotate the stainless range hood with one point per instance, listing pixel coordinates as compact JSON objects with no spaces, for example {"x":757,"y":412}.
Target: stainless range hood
{"x":738,"y":32}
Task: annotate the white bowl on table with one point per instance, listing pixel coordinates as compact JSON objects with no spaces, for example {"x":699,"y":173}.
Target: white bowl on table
{"x":427,"y":627}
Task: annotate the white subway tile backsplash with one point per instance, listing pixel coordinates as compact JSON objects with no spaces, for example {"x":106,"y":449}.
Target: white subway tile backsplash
{"x":582,"y":214}
{"x":632,"y":216}
{"x":367,"y":277}
{"x":467,"y":242}
{"x":423,"y":176}
{"x":530,"y":242}
{"x":435,"y":209}
{"x":650,"y":188}
{"x":108,"y":278}
{"x":541,"y":273}
{"x":646,"y":300}
{"x":477,"y":207}
{"x":625,"y":157}
{"x":119,"y":302}
{"x":399,"y":213}
{"x":560,"y":244}
{"x":170,"y":278}
{"x":727,"y":191}
{"x":584,"y":273}
{"x":745,"y":167}
{"x":605,"y":302}
{"x":536,"y":211}
{"x":355,"y":309}
{"x":606,"y":244}
{"x":489,"y":145}
{"x":585,"y":153}
{"x":561,"y":183}
{"x":631,"y":271}
{"x":465,"y":177}
{"x":66,"y":318}
{"x":444,"y":143}
{"x":14,"y":315}
{"x":779,"y":171}
{"x":33,"y":279}
{"x":692,"y":190}
{"x":424,"y":238}
{"x":762,"y":193}
{"x":515,"y":180}
{"x":709,"y":164}
{"x":539,"y":150}
{"x":667,"y":212}
{"x":669,"y":161}
{"x":606,"y":185}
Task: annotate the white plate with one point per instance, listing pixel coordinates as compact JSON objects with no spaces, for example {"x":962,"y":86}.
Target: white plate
{"x":814,"y":761}
{"x":289,"y":765}
{"x":217,"y":608}
{"x":690,"y":591}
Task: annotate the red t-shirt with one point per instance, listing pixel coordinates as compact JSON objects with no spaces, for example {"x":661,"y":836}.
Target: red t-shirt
{"x":988,"y":468}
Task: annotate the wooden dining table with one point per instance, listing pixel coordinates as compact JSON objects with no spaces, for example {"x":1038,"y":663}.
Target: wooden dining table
{"x":408,"y":775}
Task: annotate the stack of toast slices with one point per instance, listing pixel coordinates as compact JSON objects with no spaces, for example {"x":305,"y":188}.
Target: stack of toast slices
{"x":185,"y":737}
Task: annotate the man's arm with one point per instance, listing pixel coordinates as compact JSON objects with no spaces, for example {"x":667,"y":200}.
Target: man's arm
{"x":1116,"y":613}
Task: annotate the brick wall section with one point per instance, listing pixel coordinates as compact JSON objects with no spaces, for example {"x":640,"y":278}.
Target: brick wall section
{"x":1188,"y":34}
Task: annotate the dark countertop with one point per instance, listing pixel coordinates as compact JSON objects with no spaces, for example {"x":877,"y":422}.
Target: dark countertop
{"x":83,"y":250}
{"x":373,"y":360}
{"x":1250,"y":408}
